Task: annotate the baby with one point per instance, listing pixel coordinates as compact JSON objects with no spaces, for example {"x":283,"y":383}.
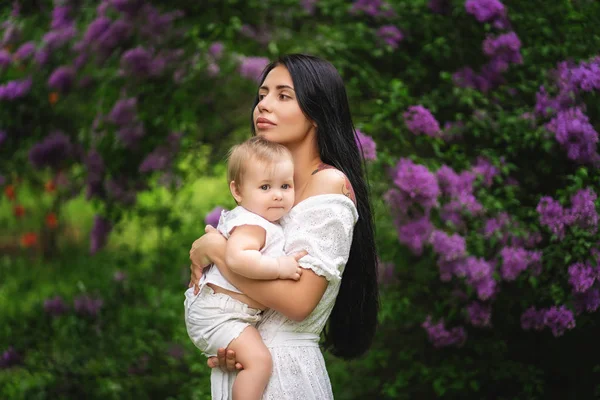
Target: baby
{"x":261,"y":176}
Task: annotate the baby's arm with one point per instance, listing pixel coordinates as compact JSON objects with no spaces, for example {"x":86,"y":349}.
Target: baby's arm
{"x":243,"y":256}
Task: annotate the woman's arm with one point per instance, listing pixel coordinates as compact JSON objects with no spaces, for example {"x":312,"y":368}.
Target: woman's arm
{"x":209,"y":248}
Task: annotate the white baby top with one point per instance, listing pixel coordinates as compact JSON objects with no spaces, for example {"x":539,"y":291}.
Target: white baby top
{"x":239,"y":216}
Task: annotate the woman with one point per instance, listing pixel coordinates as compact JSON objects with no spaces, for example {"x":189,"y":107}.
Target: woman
{"x":302,"y":104}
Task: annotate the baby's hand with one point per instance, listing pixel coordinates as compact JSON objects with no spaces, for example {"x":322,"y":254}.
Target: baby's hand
{"x":288,"y":268}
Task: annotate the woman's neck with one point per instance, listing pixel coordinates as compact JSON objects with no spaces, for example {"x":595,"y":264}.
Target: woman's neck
{"x":306,"y":160}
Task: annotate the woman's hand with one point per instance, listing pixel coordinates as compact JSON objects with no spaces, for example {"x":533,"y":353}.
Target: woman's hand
{"x":225,"y":359}
{"x":199,"y":255}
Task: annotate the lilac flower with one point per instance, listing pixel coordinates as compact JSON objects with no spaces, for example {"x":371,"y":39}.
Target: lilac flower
{"x":99,"y":233}
{"x":465,"y":77}
{"x":532,"y":319}
{"x":216,"y":50}
{"x":55,"y":306}
{"x":485,"y":169}
{"x":124,"y":111}
{"x":120,"y":190}
{"x":119,"y":276}
{"x":139,"y":61}
{"x":115,"y":34}
{"x":374,"y":8}
{"x":131,"y":135}
{"x":440,"y":6}
{"x":5,"y":59}
{"x":583,"y":210}
{"x":586,"y":75}
{"x":12,"y":34}
{"x":52,"y":151}
{"x":588,"y":301}
{"x":15,"y":89}
{"x":439,"y":336}
{"x":581,"y":277}
{"x":309,"y":6}
{"x":10,"y":358}
{"x":58,"y":38}
{"x":479,"y":314}
{"x":516,"y":260}
{"x":42,"y":56}
{"x":575,"y":134}
{"x":212,"y":218}
{"x":485,"y":10}
{"x":252,"y":67}
{"x":62,"y":78}
{"x":415,"y":234}
{"x":95,"y":29}
{"x":417,"y":185}
{"x":367,"y":145}
{"x":479,"y":275}
{"x":496,"y":224}
{"x":157,"y":25}
{"x":448,"y":248}
{"x":391,"y":35}
{"x":505,"y":47}
{"x":87,"y":306}
{"x":419,"y":120}
{"x":453,"y":184}
{"x":261,"y":35}
{"x":559,"y":319}
{"x":158,"y":160}
{"x":95,"y":174}
{"x":552,"y":215}
{"x":25,"y":51}
{"x":60,"y":17}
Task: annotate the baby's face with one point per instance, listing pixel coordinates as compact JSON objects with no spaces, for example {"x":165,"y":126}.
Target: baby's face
{"x":268,"y":188}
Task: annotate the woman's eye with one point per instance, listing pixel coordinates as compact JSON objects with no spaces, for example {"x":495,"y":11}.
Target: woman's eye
{"x":264,"y":187}
{"x":260,"y":97}
{"x":284,"y":97}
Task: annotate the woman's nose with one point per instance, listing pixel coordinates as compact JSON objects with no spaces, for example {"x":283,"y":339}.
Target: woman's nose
{"x":264,"y":104}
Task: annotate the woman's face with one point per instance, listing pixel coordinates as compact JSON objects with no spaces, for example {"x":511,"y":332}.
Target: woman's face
{"x":277,"y":116}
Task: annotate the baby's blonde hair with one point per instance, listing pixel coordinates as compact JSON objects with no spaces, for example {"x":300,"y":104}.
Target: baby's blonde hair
{"x":256,"y":148}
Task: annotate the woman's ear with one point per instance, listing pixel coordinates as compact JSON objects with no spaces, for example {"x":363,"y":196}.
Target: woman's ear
{"x":233,"y":188}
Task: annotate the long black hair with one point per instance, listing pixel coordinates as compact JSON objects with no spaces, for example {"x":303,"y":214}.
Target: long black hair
{"x":322,"y":97}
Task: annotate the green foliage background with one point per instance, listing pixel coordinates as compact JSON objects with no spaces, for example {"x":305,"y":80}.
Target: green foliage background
{"x":138,"y":348}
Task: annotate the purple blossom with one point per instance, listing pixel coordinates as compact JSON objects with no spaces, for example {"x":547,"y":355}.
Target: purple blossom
{"x":62,"y":78}
{"x":15,"y":89}
{"x":588,"y":301}
{"x":131,"y":135}
{"x":374,"y":8}
{"x":115,"y":34}
{"x":532,"y":319}
{"x":55,"y":306}
{"x":120,"y":190}
{"x":87,"y":306}
{"x":416,"y":184}
{"x":252,"y":67}
{"x":586,"y":75}
{"x":367,"y":145}
{"x":453,"y":184}
{"x":496,"y":224}
{"x":575,"y":134}
{"x":552,"y":215}
{"x":559,"y":319}
{"x":439,"y":336}
{"x":505,"y":48}
{"x":96,"y":28}
{"x":60,"y":17}
{"x":212,"y":218}
{"x":58,"y":38}
{"x":419,"y":120}
{"x":95,"y":174}
{"x":485,"y":10}
{"x":581,"y":277}
{"x":10,"y":358}
{"x":479,"y":275}
{"x":309,"y":6}
{"x":12,"y":34}
{"x":583,"y":210}
{"x":124,"y":111}
{"x":5,"y":59}
{"x":391,"y":35}
{"x":479,"y":314}
{"x":140,"y":62}
{"x":42,"y":56}
{"x":448,"y":248}
{"x":216,"y":50}
{"x":158,"y":160}
{"x":516,"y":260}
{"x":415,"y":234}
{"x":52,"y":151}
{"x":25,"y":51}
{"x":99,"y":234}
{"x":484,"y":168}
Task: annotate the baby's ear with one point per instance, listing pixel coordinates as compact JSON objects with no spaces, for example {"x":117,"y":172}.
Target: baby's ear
{"x":234,"y":189}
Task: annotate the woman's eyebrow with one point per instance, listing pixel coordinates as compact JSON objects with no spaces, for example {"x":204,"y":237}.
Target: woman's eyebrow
{"x":276,"y":87}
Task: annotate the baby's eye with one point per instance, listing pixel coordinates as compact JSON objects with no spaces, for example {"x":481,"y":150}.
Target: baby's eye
{"x":285,"y":186}
{"x":264,"y":187}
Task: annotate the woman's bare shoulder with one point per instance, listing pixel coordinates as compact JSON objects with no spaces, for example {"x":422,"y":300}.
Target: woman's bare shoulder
{"x":327,"y":179}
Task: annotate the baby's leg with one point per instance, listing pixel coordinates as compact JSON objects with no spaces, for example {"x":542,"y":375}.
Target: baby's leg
{"x":252,"y":353}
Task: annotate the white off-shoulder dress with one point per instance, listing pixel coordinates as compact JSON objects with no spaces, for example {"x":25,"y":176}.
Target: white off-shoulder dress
{"x":323,"y":226}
